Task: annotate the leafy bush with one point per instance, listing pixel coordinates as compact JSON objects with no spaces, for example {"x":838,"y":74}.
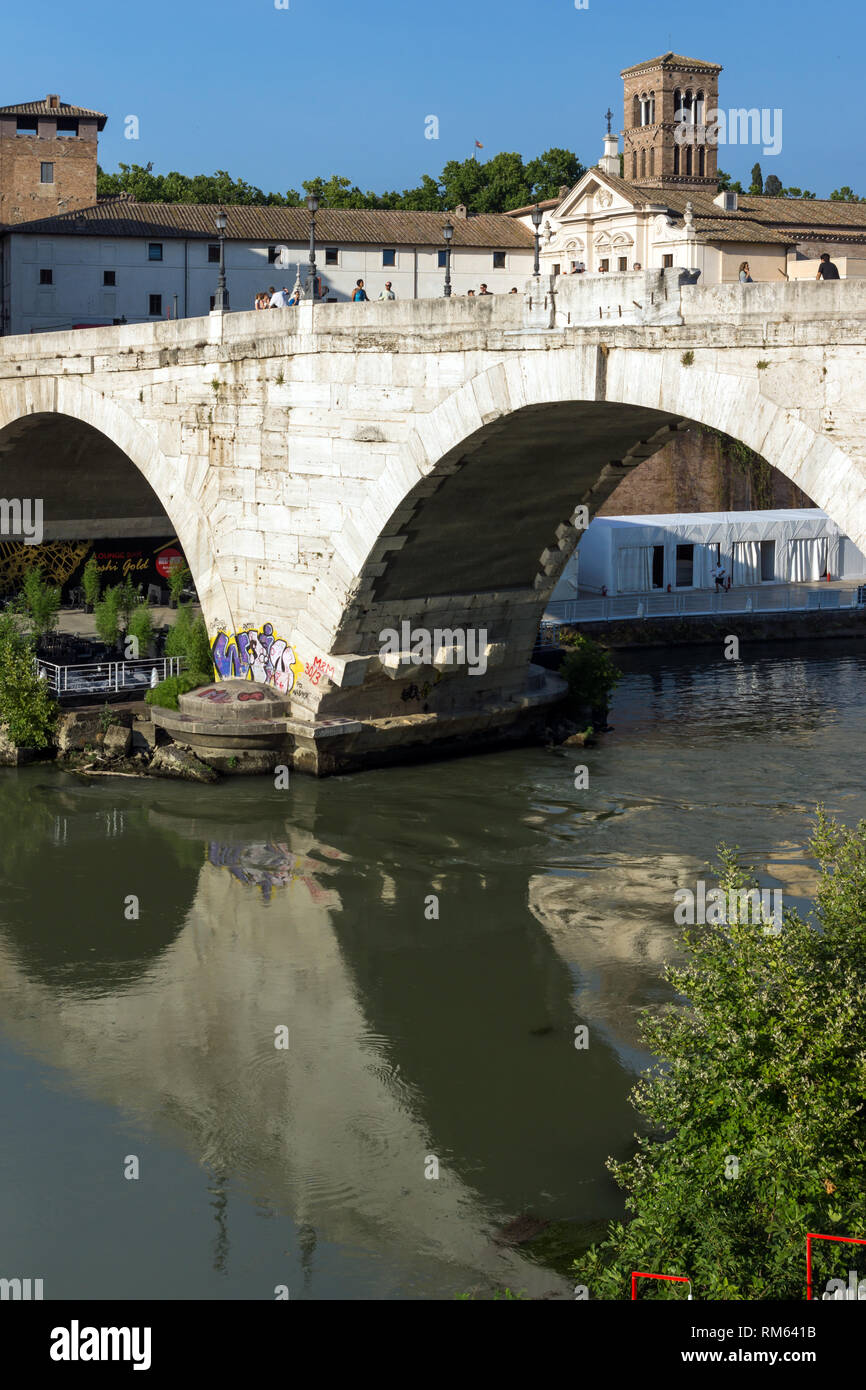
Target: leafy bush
{"x":107,"y":616}
{"x":128,"y":600}
{"x":188,"y":639}
{"x":165,"y":694}
{"x":141,"y":628}
{"x":41,"y":602}
{"x":757,"y":1103}
{"x":91,"y":582}
{"x":590,"y":673}
{"x":27,"y":708}
{"x":178,"y":577}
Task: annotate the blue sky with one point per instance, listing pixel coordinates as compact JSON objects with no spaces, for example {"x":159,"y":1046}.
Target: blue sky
{"x":343,"y":86}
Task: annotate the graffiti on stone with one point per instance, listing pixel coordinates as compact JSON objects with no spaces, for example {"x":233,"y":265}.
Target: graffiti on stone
{"x":256,"y":654}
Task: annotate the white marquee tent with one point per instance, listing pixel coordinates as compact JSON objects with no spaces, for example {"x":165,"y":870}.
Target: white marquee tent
{"x":642,"y":554}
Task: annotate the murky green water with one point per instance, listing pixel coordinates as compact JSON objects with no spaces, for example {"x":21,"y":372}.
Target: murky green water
{"x":410,"y":1039}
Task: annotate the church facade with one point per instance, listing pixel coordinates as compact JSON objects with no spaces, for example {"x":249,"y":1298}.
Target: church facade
{"x":656,"y":204}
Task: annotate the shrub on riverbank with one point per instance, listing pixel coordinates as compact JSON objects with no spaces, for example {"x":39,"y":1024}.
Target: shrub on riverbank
{"x":28,"y":710}
{"x":40,"y":603}
{"x":757,"y":1104}
{"x":107,"y":616}
{"x":591,"y":675}
{"x":165,"y":694}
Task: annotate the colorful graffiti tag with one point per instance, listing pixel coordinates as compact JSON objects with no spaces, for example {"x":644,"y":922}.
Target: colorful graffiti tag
{"x":256,"y":654}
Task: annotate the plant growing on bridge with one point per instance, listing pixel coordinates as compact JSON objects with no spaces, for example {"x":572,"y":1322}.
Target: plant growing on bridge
{"x":756,"y":1106}
{"x":91,"y":583}
{"x":40,"y":602}
{"x":687,"y":358}
{"x":27,"y":708}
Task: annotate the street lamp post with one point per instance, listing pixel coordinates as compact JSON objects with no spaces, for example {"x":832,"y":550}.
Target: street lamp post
{"x":313,"y":206}
{"x":536,"y":222}
{"x":221,"y":302}
{"x":448,"y":233}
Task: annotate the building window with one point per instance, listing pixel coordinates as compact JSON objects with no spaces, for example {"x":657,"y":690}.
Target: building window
{"x":498,"y":260}
{"x":685,"y":566}
{"x":667,"y":261}
{"x":643,"y":164}
{"x":273,"y":255}
{"x":155,"y":306}
{"x":604,"y":265}
{"x":154,"y":250}
{"x":213,"y":301}
{"x":109,"y":277}
{"x":556,"y":269}
{"x":67,"y":127}
{"x":701,"y":161}
{"x":389,"y":258}
{"x":46,"y":277}
{"x":26,"y":125}
{"x":688,"y":159}
{"x":213,"y":253}
{"x":442,"y":258}
{"x":634,"y":164}
{"x":332,"y":255}
{"x":652,"y":161}
{"x":676,"y":159}
{"x":46,"y":174}
{"x":622,"y":263}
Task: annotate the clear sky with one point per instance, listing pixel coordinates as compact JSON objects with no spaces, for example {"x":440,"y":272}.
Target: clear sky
{"x":337,"y":86}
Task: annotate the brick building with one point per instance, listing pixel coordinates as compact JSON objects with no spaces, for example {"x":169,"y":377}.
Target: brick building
{"x":47,"y":159}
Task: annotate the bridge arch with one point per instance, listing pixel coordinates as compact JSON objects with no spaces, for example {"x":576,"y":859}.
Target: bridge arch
{"x":575,"y":400}
{"x":32,"y":407}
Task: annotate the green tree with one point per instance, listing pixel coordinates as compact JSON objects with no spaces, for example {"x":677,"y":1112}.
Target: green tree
{"x":41,"y":602}
{"x":140,"y":626}
{"x":91,"y":582}
{"x":107,"y":616}
{"x":846,"y":195}
{"x":27,"y":708}
{"x":756,"y":1106}
{"x":725,"y":185}
{"x":178,"y":577}
{"x":757,"y":185}
{"x":773,"y":186}
{"x":591,"y":675}
{"x":128,"y":600}
{"x":555,"y":169}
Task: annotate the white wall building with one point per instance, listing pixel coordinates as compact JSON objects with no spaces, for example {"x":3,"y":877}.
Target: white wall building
{"x":140,"y":261}
{"x":650,"y":554}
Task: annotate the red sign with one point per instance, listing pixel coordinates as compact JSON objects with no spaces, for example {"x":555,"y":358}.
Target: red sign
{"x":168,"y":560}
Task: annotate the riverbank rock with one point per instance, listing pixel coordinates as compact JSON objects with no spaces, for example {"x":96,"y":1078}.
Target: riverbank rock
{"x":117,"y":741}
{"x":581,"y":740}
{"x":173,"y":761}
{"x":12,"y":756}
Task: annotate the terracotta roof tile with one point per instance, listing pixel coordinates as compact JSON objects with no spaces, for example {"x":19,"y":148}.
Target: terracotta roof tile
{"x":41,"y":108}
{"x":123,"y":217}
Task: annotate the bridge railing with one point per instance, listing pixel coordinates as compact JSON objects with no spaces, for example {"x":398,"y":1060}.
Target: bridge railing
{"x":103,"y":677}
{"x":703,"y":603}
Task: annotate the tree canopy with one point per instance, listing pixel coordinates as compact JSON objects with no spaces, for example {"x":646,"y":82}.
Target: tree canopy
{"x":754,"y":1116}
{"x":493,"y":185}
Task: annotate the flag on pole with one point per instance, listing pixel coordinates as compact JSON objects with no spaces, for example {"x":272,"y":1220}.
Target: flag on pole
{"x":478,"y":145}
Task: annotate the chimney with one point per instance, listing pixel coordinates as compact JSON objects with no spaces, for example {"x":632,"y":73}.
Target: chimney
{"x":609,"y":162}
{"x":460,"y":212}
{"x":53,"y":101}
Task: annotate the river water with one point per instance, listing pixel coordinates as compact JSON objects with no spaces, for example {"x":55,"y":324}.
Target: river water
{"x":414,"y":1041}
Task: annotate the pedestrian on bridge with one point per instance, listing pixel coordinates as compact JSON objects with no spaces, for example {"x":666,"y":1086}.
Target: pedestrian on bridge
{"x":827,"y":270}
{"x":359,"y":294}
{"x":745,"y":275}
{"x":387,"y":292}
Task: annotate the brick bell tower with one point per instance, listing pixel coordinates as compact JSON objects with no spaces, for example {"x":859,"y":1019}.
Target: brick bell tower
{"x":659,"y":95}
{"x":48,"y":154}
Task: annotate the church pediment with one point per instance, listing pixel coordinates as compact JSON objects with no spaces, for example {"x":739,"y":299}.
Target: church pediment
{"x":592,"y":197}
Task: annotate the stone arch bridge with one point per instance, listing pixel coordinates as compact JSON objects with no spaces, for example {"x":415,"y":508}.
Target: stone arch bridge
{"x":336,"y":471}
